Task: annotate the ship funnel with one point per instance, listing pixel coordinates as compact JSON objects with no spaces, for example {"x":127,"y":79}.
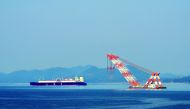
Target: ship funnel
{"x":81,"y":79}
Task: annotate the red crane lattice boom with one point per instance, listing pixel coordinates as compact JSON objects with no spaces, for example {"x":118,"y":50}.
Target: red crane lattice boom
{"x":123,"y":70}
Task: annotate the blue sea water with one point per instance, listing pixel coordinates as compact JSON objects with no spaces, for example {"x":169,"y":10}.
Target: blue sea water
{"x":93,"y":96}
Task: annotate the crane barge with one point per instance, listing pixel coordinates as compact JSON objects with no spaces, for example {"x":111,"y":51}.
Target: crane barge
{"x":153,"y":82}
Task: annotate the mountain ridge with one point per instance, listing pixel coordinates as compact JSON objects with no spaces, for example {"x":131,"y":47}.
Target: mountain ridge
{"x":91,"y":73}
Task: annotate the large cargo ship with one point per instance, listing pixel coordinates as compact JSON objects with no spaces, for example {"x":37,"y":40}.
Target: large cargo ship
{"x":60,"y":82}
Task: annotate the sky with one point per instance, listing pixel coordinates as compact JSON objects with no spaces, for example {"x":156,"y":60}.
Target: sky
{"x":39,"y":34}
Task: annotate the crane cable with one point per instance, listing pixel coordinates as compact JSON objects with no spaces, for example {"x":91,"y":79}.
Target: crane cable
{"x":137,"y":66}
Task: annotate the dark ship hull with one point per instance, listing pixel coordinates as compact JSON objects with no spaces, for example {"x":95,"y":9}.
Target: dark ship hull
{"x":57,"y":83}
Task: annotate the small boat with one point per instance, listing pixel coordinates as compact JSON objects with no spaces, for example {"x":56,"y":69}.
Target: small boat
{"x":79,"y":81}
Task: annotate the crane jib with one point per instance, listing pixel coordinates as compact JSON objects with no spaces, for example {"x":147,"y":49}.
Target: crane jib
{"x":123,"y":70}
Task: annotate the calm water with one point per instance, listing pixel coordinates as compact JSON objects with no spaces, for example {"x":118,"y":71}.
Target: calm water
{"x":93,"y":96}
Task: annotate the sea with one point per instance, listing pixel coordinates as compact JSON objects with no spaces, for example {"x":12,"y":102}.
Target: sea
{"x":93,"y":96}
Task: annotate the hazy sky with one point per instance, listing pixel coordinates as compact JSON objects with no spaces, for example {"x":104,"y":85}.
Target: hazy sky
{"x":38,"y":34}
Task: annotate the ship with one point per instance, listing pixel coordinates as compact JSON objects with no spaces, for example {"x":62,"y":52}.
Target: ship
{"x":78,"y":81}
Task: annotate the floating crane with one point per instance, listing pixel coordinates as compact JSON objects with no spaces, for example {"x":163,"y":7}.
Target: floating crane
{"x":153,"y":82}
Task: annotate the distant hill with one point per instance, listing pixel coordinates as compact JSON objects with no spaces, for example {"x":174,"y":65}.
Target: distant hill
{"x":185,"y":79}
{"x":91,"y":73}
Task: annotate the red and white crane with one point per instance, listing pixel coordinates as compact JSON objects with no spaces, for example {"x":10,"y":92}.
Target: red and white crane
{"x":153,"y":82}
